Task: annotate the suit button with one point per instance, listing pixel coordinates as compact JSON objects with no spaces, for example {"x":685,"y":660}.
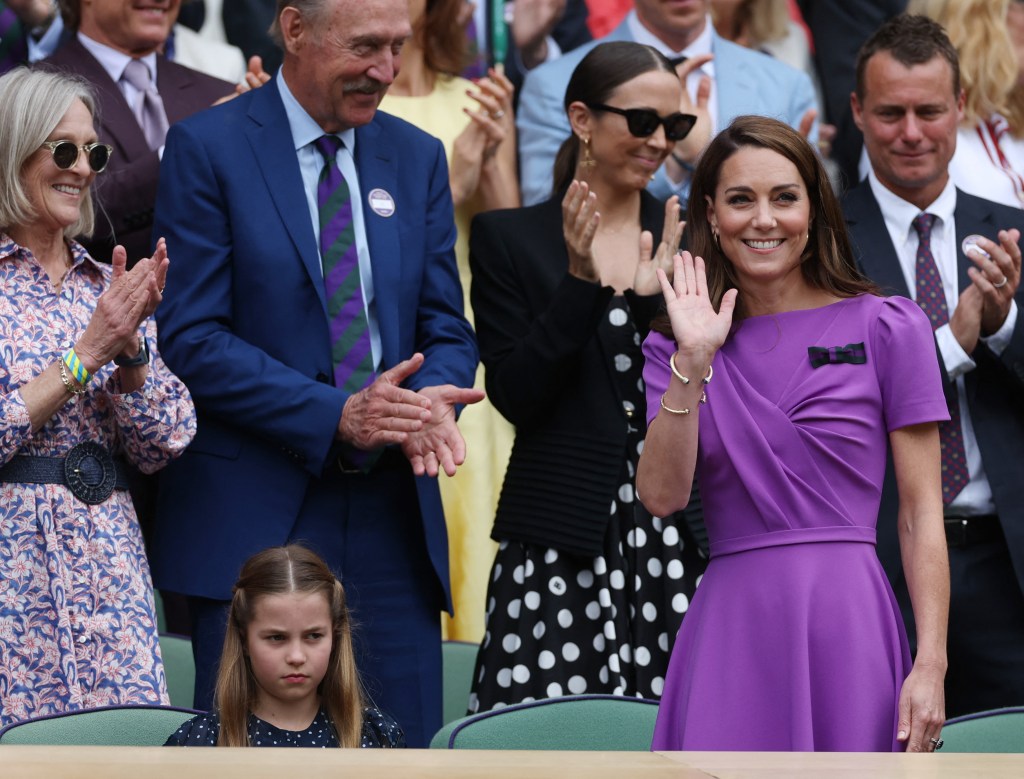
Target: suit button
{"x":322,"y":378}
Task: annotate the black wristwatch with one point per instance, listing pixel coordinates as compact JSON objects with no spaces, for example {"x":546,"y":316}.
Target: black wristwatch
{"x":142,"y":358}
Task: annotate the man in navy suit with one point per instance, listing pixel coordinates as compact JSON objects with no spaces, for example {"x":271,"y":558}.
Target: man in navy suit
{"x":283,"y":454}
{"x":908,"y":103}
{"x":722,"y":81}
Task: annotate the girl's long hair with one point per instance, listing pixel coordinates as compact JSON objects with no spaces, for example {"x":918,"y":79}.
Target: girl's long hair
{"x":280,"y":571}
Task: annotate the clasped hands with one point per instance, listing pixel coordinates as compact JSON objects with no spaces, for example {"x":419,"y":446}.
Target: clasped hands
{"x":983,"y":306}
{"x":131,"y":298}
{"x":421,"y":421}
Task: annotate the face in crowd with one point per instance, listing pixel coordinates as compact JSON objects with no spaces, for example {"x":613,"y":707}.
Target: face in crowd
{"x":909,"y":117}
{"x":341,"y":59}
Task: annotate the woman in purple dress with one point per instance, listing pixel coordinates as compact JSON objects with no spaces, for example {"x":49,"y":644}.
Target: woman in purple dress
{"x":778,"y":378}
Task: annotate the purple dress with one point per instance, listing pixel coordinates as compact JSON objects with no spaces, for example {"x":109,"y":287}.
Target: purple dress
{"x":794,"y":640}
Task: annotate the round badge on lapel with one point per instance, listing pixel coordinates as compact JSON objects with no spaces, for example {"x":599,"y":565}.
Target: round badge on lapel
{"x":381,"y":202}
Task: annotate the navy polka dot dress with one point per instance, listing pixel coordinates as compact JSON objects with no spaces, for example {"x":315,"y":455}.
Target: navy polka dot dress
{"x":559,"y":624}
{"x":379,"y":731}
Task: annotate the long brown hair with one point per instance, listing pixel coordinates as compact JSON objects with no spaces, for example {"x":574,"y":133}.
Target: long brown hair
{"x":827,"y":263}
{"x":282,"y":570}
{"x":442,"y":38}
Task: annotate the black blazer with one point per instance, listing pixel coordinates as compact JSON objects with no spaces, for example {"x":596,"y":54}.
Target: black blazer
{"x":995,"y":389}
{"x":549,"y":373}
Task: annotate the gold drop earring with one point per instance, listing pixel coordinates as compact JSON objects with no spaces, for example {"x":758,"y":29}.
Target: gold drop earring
{"x":587,"y":161}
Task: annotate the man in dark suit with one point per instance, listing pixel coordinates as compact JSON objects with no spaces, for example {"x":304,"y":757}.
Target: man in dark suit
{"x":108,"y":35}
{"x":908,"y":220}
{"x":287,"y":451}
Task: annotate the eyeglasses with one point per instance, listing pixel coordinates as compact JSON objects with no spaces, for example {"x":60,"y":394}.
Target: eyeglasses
{"x":65,"y":154}
{"x":642,"y":122}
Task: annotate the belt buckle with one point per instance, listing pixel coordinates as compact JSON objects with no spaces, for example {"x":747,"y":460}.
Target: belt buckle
{"x":89,"y":472}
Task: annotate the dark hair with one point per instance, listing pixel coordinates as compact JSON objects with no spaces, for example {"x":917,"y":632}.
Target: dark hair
{"x":827,"y":263}
{"x":442,"y":39}
{"x":910,"y":40}
{"x":605,"y":68}
{"x":277,"y":571}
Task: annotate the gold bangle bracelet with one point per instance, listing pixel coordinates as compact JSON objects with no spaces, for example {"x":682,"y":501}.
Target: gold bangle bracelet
{"x":67,"y":380}
{"x":677,"y":411}
{"x":685,"y":379}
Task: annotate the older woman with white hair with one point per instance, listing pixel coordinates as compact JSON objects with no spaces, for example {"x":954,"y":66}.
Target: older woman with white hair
{"x":83,"y":392}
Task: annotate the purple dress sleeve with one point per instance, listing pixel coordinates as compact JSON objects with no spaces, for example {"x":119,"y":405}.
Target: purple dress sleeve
{"x":658,"y":351}
{"x":907,"y":365}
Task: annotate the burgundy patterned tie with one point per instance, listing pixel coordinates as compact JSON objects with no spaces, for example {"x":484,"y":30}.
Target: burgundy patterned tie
{"x":13,"y":49}
{"x":932,"y":298}
{"x":350,"y":333}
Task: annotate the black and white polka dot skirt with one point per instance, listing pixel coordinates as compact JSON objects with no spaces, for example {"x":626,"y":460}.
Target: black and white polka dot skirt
{"x":560,"y":624}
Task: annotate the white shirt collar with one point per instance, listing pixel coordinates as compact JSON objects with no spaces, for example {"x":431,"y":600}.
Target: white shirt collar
{"x":304,"y":128}
{"x":114,"y":61}
{"x":899,"y":215}
{"x":702,"y":44}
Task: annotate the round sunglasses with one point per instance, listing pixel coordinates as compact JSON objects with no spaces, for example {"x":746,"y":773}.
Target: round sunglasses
{"x":65,"y":154}
{"x":642,"y":122}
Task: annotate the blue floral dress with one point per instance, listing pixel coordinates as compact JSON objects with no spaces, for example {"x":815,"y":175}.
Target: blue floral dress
{"x":77,"y":619}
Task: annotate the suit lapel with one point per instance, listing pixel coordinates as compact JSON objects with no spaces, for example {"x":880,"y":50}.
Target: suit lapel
{"x":117,"y":123}
{"x":269,"y":130}
{"x":375,"y":164}
{"x":737,"y":94}
{"x":174,"y":82}
{"x":876,"y":254}
{"x":972,"y":218}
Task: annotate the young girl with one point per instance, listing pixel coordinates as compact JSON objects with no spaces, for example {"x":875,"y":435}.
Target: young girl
{"x":288,"y":675}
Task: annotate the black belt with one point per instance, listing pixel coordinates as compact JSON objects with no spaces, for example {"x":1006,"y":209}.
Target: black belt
{"x":964,"y":531}
{"x":88,"y":470}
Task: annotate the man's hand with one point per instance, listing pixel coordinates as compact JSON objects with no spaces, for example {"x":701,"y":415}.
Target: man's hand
{"x":965,"y":323}
{"x":438,"y":442}
{"x":996,"y":277}
{"x":532,"y":23}
{"x":384,"y":413}
{"x":689,"y":149}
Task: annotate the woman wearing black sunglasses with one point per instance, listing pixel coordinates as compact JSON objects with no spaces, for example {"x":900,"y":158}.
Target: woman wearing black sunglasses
{"x":587,"y":589}
{"x":83,"y":391}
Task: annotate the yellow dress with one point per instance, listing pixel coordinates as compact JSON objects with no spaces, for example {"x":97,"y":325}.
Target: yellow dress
{"x":470,"y":497}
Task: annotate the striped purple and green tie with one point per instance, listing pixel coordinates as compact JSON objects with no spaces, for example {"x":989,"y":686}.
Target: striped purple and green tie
{"x":13,"y":48}
{"x":350,"y":333}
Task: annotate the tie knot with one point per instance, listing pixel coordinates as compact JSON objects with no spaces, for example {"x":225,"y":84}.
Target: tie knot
{"x":923,"y":224}
{"x":328,"y":146}
{"x":137,"y":74}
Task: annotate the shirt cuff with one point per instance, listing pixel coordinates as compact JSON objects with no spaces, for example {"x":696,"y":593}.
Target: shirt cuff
{"x":954,"y":359}
{"x":1001,"y":338}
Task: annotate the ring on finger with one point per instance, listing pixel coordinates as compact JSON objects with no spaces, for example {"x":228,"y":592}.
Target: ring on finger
{"x":936,"y":743}
{"x":497,"y":114}
{"x":1002,"y":283}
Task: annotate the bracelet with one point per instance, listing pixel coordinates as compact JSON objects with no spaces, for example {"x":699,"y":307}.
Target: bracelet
{"x":67,"y":381}
{"x":684,"y":379}
{"x":82,"y":376}
{"x":677,"y":411}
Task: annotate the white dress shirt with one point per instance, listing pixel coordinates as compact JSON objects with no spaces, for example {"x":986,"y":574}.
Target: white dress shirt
{"x":305,"y":132}
{"x":976,"y":497}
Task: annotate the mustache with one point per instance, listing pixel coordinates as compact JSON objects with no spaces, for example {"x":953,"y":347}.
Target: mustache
{"x":366,"y":86}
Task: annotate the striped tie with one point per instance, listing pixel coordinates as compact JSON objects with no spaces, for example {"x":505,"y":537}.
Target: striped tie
{"x":350,"y":333}
{"x":13,"y":48}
